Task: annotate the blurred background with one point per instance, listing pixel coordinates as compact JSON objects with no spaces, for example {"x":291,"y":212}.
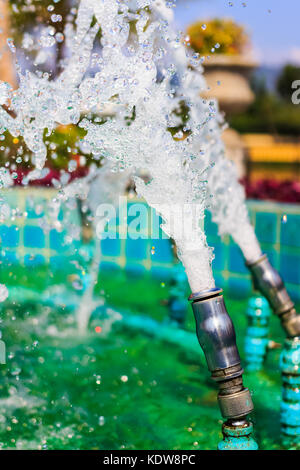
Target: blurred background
{"x":251,"y":73}
{"x":251,"y":57}
{"x":62,"y":389}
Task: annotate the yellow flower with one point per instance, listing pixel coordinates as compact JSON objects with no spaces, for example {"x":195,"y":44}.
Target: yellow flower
{"x":224,"y":36}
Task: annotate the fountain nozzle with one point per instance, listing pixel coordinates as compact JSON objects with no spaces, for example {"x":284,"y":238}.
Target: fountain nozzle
{"x":216,"y":335}
{"x":268,"y":281}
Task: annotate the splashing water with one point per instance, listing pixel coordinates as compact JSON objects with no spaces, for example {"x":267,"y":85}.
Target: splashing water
{"x":127,"y":78}
{"x":3,"y":292}
{"x":226,"y":195}
{"x":174,"y":189}
{"x":141,"y":58}
{"x":105,"y":188}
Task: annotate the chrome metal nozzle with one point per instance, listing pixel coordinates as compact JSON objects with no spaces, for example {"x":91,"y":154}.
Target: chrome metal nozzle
{"x":215,"y":331}
{"x":216,"y":335}
{"x":268,"y":281}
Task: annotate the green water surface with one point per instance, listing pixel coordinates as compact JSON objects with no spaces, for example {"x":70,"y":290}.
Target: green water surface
{"x":117,"y":390}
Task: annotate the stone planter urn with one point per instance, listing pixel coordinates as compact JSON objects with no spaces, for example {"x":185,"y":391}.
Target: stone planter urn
{"x":228,"y":78}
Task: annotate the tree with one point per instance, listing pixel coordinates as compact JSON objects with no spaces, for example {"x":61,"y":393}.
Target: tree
{"x":289,"y":74}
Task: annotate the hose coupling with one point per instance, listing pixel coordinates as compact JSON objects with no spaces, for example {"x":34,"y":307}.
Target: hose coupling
{"x":268,"y":281}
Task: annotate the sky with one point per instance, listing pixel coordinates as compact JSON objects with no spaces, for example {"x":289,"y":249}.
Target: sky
{"x":273,"y":25}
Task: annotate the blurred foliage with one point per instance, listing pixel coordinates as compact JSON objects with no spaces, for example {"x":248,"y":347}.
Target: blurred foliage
{"x":222,"y":35}
{"x":269,"y":113}
{"x":62,"y":145}
{"x":29,"y":15}
{"x":268,"y":189}
{"x":182,"y":113}
{"x":289,"y":74}
{"x":31,"y":18}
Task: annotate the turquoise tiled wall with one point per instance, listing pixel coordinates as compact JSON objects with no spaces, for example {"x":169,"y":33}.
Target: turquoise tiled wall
{"x":25,"y":240}
{"x":28,"y":236}
{"x":277,"y":227}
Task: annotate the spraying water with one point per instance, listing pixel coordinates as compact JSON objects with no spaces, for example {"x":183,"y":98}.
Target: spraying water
{"x":106,"y":188}
{"x":227,"y":200}
{"x":127,"y":78}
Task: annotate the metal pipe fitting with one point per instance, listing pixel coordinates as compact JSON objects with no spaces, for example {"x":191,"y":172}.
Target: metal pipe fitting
{"x":216,"y":335}
{"x":238,"y":436}
{"x":236,"y":405}
{"x":290,"y":403}
{"x":215,"y":332}
{"x":267,"y":280}
{"x":256,"y":339}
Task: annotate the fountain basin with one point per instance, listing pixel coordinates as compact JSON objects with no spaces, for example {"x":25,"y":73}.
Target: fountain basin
{"x":100,"y":380}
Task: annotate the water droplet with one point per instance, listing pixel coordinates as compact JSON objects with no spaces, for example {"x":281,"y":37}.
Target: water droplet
{"x":101,"y":421}
{"x":59,"y":37}
{"x":3,"y":292}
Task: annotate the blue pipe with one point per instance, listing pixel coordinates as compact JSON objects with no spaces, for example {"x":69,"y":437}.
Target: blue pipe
{"x":256,"y":339}
{"x":290,"y":403}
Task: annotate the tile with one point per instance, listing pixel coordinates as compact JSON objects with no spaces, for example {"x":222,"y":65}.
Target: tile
{"x":9,"y":236}
{"x":290,"y":231}
{"x":35,"y":207}
{"x":155,"y":226}
{"x":9,"y":257}
{"x":220,"y":254}
{"x":161,"y":273}
{"x":138,"y":218}
{"x":34,"y":260}
{"x":34,"y":237}
{"x":239,"y":287}
{"x":266,"y":226}
{"x":219,"y":280}
{"x":136,"y":270}
{"x":272,"y":254}
{"x":109,"y":266}
{"x":58,"y":261}
{"x":211,"y":229}
{"x":161,"y":251}
{"x":110,"y":247}
{"x":236,"y":260}
{"x":60,"y":216}
{"x":57,"y":241}
{"x":136,"y":249}
{"x":294,"y":292}
{"x":290,"y":267}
